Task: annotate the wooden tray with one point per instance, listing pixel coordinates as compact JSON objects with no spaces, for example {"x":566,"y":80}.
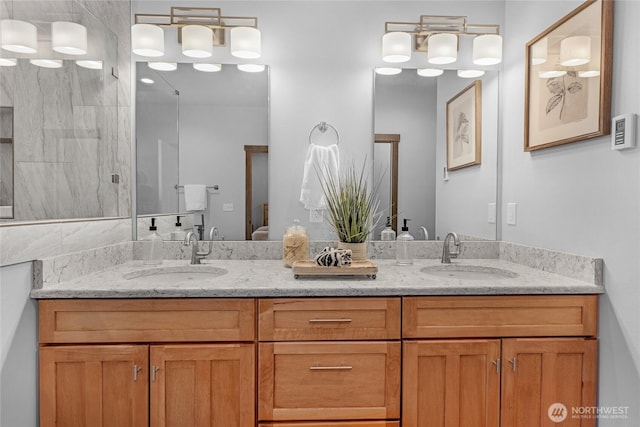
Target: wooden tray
{"x":357,"y":268}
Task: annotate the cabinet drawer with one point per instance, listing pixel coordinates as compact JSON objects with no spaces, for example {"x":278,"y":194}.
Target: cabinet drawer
{"x":146,"y":320}
{"x":329,"y":381}
{"x":499,"y":316}
{"x":335,"y":424}
{"x":311,"y":319}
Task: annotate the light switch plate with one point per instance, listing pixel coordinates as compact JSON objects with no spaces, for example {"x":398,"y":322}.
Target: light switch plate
{"x":623,"y":132}
{"x":512,"y":217}
{"x":491,"y":213}
{"x":315,"y":215}
{"x":227,"y":207}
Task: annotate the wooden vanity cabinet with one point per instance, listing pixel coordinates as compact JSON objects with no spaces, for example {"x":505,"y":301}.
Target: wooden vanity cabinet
{"x":328,"y":361}
{"x":541,"y":350}
{"x":148,"y":373}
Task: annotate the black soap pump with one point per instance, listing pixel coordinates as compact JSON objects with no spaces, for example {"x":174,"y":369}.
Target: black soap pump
{"x":403,"y":246}
{"x":178,"y":233}
{"x":388,"y":233}
{"x":152,"y":246}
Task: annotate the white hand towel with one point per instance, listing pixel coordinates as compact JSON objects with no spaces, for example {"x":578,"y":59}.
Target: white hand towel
{"x":195,"y":197}
{"x":321,"y":160}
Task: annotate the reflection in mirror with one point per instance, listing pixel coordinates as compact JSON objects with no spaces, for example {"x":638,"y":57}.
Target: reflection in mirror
{"x":6,"y":162}
{"x":415,"y":108}
{"x":65,"y":120}
{"x":385,"y":155}
{"x":218,"y":114}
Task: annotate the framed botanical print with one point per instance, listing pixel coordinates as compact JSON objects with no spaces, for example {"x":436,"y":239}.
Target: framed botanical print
{"x":568,"y":78}
{"x":464,"y":127}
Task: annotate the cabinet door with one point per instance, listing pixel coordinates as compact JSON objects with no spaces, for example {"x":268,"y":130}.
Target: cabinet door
{"x":451,"y":383}
{"x":545,"y":378}
{"x":96,"y":385}
{"x":203,"y":385}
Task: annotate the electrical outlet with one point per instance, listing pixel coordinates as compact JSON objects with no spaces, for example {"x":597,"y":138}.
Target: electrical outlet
{"x":491,"y":213}
{"x":316,"y":215}
{"x":227,"y":207}
{"x":512,"y":217}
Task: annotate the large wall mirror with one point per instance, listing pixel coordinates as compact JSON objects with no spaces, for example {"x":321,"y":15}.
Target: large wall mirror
{"x":59,"y":121}
{"x":410,"y":150}
{"x":203,"y":128}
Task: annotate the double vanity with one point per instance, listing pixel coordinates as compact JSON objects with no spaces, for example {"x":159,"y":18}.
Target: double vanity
{"x":484,"y":341}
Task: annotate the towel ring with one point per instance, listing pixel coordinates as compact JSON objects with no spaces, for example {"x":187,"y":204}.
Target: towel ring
{"x":322,"y":127}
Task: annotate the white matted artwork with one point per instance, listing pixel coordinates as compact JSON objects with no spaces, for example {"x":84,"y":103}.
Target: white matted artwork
{"x":464,"y":127}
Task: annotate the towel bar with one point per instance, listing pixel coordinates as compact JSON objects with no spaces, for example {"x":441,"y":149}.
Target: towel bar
{"x":209,"y":187}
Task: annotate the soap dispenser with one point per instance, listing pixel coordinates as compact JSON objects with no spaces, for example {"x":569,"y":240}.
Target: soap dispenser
{"x":403,"y":249}
{"x":178,"y":233}
{"x":152,"y":246}
{"x":388,"y":233}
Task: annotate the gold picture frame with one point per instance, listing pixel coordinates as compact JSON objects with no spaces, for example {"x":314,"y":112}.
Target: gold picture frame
{"x":464,"y":128}
{"x":568,"y":78}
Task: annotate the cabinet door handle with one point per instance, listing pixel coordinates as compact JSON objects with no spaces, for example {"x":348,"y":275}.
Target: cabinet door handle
{"x":514,"y":364}
{"x":497,"y":363}
{"x":343,"y":320}
{"x":154,"y":372}
{"x":136,"y":369}
{"x":330,"y":368}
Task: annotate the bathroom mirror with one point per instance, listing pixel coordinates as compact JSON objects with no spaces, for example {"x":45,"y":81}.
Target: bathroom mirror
{"x":6,"y":162}
{"x":412,"y":109}
{"x":195,"y":127}
{"x":60,"y":153}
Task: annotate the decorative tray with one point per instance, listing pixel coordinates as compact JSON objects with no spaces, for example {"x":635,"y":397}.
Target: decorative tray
{"x":357,"y":268}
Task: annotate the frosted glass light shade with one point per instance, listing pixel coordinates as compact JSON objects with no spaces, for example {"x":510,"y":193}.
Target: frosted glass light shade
{"x":396,"y":47}
{"x":589,"y":73}
{"x":575,"y":51}
{"x":470,"y":74}
{"x":539,"y":52}
{"x":549,"y":74}
{"x":487,"y":49}
{"x":162,"y":66}
{"x":430,"y":72}
{"x":8,"y":62}
{"x":197,"y":41}
{"x":251,"y":68}
{"x":47,"y":63}
{"x":442,"y":48}
{"x":18,"y":36}
{"x":246,"y":42}
{"x":68,"y":38}
{"x":207,"y":68}
{"x":388,"y":71}
{"x":90,"y":64}
{"x":147,"y":40}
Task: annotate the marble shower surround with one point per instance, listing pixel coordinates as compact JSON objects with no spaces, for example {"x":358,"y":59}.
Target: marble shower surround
{"x":72,"y":124}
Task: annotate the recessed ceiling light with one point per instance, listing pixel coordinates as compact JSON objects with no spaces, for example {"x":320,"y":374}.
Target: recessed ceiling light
{"x":147,"y":81}
{"x":388,"y":71}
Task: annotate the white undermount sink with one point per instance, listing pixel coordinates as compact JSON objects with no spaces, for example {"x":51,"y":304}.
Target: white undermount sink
{"x":468,"y":272}
{"x":180,"y":273}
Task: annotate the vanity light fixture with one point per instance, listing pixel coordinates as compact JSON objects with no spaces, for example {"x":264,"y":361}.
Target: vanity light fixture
{"x":430,"y":72}
{"x":251,"y":68}
{"x":162,"y":66}
{"x":575,"y":51}
{"x":388,"y":71}
{"x":8,"y":62}
{"x":192,"y":24}
{"x":470,"y":74}
{"x":47,"y":63}
{"x":548,"y":74}
{"x":207,"y":68}
{"x":589,"y":73}
{"x":438,"y":37}
{"x":539,"y":52}
{"x":18,"y":36}
{"x":68,"y":38}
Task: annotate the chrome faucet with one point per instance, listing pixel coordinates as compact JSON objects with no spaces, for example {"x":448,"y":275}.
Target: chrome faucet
{"x":424,"y":230}
{"x":446,"y":251}
{"x":192,"y":239}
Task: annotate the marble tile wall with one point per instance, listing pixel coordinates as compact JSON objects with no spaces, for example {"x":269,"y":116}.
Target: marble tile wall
{"x":72,"y":125}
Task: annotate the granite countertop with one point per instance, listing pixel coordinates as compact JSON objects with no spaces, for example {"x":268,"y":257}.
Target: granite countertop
{"x":268,"y":278}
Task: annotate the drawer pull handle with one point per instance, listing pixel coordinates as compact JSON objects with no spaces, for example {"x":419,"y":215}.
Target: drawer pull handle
{"x":330,"y":368}
{"x":345,"y":320}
